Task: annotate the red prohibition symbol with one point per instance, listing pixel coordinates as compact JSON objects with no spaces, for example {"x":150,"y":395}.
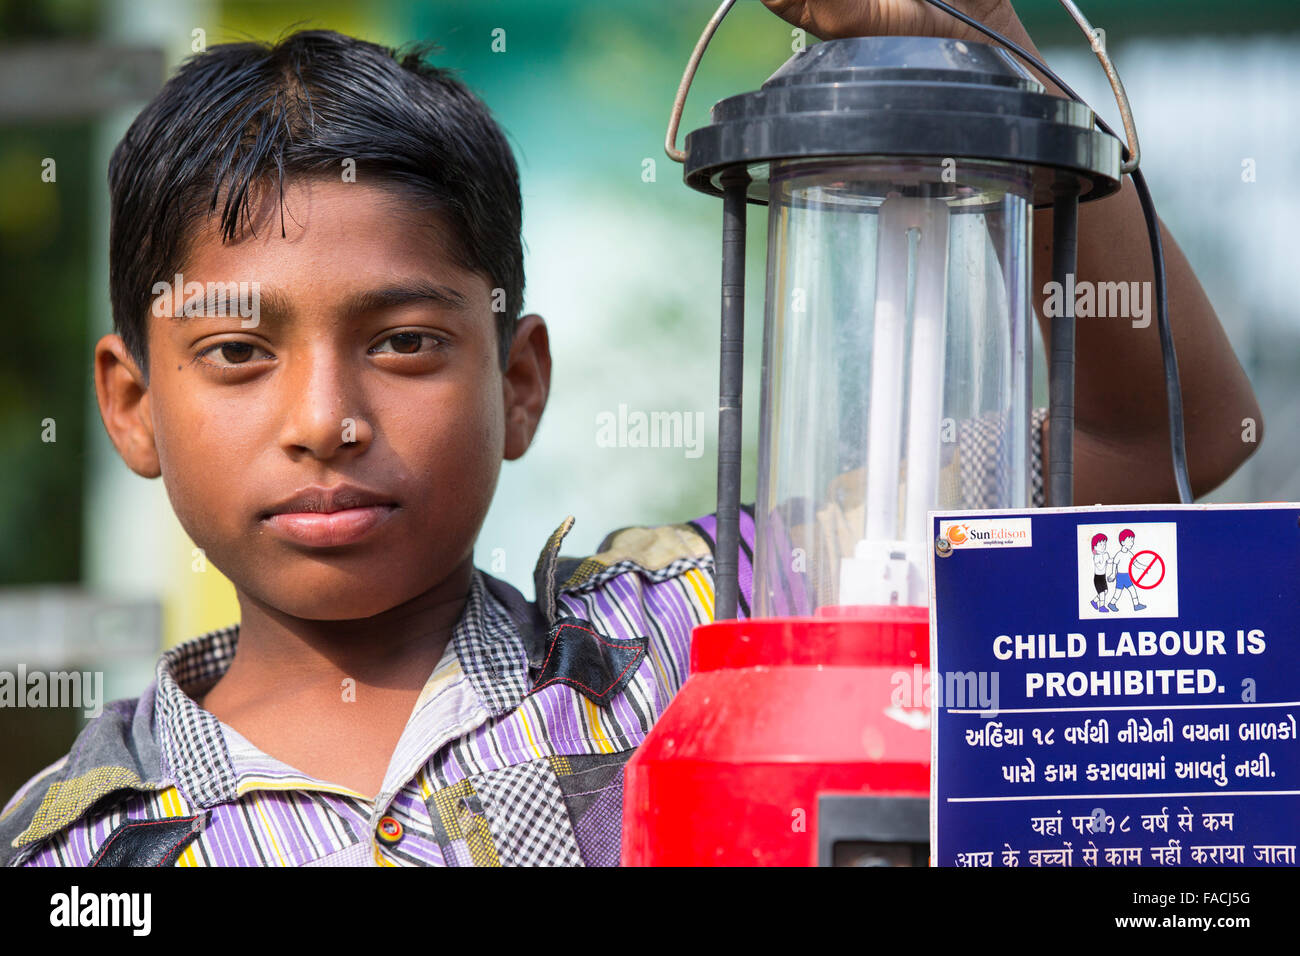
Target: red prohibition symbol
{"x":1143,"y":579}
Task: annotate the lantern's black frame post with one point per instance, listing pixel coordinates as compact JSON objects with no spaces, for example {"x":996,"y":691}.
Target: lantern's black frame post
{"x":1065,"y":254}
{"x":731,"y":382}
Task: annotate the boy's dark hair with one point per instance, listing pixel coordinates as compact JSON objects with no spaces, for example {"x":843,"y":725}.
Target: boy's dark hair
{"x":242,"y":114}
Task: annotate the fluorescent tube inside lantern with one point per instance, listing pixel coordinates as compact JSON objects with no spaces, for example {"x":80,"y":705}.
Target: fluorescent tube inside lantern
{"x":895,"y":373}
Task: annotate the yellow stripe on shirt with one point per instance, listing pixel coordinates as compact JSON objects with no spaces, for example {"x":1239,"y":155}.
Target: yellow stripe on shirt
{"x":597,"y":731}
{"x":703,"y":589}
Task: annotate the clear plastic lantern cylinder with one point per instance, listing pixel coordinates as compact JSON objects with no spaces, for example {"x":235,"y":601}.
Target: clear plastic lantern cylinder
{"x":896,"y":365}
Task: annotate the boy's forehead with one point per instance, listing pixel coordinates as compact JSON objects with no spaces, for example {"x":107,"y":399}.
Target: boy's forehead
{"x":331,"y":231}
{"x":344,"y":250}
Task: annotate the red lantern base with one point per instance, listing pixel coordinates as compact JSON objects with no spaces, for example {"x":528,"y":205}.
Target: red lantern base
{"x":776,"y":713}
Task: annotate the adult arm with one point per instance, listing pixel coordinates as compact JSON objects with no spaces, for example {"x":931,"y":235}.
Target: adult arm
{"x":1122,"y":451}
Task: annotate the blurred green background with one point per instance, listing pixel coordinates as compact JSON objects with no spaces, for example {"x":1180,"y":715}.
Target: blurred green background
{"x":95,"y":571}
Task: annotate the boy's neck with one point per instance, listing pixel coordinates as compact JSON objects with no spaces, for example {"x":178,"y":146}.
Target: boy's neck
{"x":396,"y":650}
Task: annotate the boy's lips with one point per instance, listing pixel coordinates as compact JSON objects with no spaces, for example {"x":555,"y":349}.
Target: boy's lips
{"x":329,"y":517}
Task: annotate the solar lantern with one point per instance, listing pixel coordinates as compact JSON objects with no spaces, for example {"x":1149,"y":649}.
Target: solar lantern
{"x":900,"y":175}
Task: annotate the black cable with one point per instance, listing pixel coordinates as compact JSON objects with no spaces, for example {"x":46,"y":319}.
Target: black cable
{"x":1173,"y":387}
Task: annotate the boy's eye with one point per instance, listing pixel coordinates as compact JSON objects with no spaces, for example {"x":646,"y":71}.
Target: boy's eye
{"x":407,"y":343}
{"x":234,"y":353}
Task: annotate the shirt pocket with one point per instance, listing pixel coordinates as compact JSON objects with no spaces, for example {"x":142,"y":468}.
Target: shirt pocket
{"x":512,"y":816}
{"x":592,"y":785}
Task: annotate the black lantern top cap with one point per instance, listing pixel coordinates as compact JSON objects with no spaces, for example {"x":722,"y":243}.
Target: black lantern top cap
{"x":895,"y":97}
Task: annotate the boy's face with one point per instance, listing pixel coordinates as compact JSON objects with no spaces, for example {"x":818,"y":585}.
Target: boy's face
{"x":320,"y":393}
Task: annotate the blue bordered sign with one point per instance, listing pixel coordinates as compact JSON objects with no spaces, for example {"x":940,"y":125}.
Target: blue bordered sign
{"x":1115,"y":686}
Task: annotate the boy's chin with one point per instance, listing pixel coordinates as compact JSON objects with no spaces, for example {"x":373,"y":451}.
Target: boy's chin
{"x":325,"y":600}
{"x":308,"y":608}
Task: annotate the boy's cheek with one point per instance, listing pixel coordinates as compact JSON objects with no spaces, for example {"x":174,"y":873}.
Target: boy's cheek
{"x":439,"y":455}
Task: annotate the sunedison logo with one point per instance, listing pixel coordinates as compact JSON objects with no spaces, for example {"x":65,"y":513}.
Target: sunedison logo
{"x":102,"y":909}
{"x":988,"y":533}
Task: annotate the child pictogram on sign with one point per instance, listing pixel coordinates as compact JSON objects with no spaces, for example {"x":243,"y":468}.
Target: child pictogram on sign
{"x":1100,"y":571}
{"x":1120,"y":571}
{"x":1128,"y":570}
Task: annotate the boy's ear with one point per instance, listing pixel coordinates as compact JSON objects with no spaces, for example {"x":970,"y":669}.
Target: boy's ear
{"x":124,"y":406}
{"x":526,"y":383}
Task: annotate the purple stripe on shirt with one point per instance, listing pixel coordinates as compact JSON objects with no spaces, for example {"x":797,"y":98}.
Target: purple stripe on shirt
{"x":277,"y":808}
{"x":557,"y":713}
{"x":669,"y":606}
{"x":744,"y":567}
{"x":229,"y":845}
{"x":310,"y":811}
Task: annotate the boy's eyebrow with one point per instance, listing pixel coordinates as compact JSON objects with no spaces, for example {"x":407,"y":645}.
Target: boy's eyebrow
{"x":273,"y":304}
{"x":404,"y":293}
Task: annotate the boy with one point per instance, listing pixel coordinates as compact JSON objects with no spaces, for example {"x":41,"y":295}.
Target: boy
{"x":1119,"y":572}
{"x":382,"y":701}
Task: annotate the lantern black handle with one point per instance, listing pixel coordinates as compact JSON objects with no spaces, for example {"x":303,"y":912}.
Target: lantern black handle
{"x":1131,"y":157}
{"x":679,"y":101}
{"x":1096,"y":39}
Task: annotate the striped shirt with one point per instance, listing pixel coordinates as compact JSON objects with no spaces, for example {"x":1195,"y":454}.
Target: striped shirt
{"x":499,"y":764}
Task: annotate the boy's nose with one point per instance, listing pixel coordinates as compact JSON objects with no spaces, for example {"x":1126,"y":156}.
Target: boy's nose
{"x":324,"y":413}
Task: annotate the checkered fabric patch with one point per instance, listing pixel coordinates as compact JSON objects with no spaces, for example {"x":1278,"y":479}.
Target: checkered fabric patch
{"x":460,"y":828}
{"x":983,"y":482}
{"x":192,"y":743}
{"x":1037,"y":493}
{"x":593,"y":790}
{"x":527,"y":814}
{"x":490,"y":650}
{"x":202,"y":658}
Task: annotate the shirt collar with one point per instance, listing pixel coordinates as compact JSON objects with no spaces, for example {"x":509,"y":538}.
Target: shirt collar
{"x":486,"y":639}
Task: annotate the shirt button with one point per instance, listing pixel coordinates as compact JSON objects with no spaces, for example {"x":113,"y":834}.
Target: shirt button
{"x":389,"y":831}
